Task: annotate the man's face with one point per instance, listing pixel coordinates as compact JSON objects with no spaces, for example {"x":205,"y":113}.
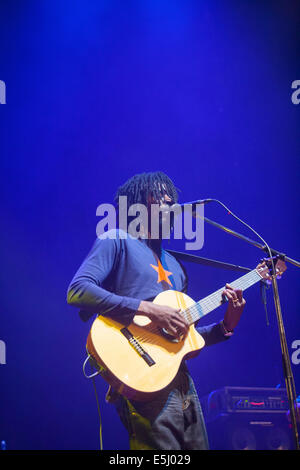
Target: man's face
{"x":164,"y":202}
{"x":165,"y":199}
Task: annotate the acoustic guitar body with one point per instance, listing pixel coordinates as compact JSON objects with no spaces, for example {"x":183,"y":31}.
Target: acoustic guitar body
{"x":140,"y":360}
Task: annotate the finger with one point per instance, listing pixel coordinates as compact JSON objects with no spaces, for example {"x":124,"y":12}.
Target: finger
{"x":172,"y":330}
{"x":233,"y":294}
{"x":224,"y":295}
{"x":181,"y":326}
{"x":228,"y":286}
{"x":181,"y":332}
{"x":227,"y":294}
{"x":233,"y":299}
{"x":177,"y":321}
{"x":176,"y":310}
{"x":180,"y":318}
{"x":228,"y":291}
{"x":239,"y":294}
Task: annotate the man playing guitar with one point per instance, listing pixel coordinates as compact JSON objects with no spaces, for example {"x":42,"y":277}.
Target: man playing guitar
{"x":119,"y":279}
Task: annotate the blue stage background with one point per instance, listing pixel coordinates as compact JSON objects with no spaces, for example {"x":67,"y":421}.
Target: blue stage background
{"x":96,"y":92}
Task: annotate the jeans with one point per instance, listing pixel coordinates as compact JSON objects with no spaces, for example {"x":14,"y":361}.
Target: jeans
{"x":171,"y":421}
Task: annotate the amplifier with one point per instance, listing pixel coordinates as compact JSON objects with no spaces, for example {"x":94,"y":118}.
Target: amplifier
{"x":244,"y":400}
{"x":244,"y":418}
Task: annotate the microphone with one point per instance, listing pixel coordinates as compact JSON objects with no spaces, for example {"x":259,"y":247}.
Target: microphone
{"x":194,"y":203}
{"x":191,"y":206}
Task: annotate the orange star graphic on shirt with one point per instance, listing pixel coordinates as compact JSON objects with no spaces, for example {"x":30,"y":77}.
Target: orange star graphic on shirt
{"x":163,"y":274}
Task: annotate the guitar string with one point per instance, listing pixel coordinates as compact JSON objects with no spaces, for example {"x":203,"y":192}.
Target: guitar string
{"x":210,"y":302}
{"x":154,"y":329}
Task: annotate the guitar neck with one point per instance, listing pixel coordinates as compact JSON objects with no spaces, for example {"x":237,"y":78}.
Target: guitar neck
{"x":214,"y":300}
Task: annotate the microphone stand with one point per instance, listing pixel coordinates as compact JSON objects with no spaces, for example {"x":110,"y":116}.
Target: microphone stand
{"x":286,"y":364}
{"x":207,"y":262}
{"x":252,"y":242}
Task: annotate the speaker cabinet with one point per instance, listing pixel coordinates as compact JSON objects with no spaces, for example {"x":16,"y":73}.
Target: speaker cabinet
{"x":249,"y":432}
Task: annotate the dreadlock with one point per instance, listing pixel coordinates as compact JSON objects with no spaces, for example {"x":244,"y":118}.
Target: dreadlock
{"x":140,"y":186}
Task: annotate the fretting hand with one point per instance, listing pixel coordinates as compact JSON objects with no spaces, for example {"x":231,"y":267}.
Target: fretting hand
{"x":236,"y":304}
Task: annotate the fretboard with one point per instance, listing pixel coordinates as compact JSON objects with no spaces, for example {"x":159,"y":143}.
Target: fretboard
{"x":214,"y":300}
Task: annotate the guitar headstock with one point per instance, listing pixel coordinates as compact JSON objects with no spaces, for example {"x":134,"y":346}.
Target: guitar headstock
{"x":265,"y":268}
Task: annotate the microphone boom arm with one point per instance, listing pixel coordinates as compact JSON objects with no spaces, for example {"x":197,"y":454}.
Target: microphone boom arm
{"x":252,"y":242}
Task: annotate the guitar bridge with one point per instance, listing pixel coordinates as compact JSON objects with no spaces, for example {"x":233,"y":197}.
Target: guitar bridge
{"x":137,"y":347}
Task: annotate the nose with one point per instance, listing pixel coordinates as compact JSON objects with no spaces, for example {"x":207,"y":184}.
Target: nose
{"x":167,"y":198}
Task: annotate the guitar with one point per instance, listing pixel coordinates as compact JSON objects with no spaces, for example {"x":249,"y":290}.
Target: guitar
{"x":142,"y":359}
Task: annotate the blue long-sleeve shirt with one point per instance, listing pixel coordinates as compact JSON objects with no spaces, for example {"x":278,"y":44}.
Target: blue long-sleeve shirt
{"x":119,"y":272}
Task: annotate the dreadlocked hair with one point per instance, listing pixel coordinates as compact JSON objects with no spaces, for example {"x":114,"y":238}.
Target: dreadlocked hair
{"x":140,"y":186}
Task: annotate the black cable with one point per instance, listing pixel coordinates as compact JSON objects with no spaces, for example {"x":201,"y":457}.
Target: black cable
{"x":96,"y":367}
{"x":99,"y":414}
